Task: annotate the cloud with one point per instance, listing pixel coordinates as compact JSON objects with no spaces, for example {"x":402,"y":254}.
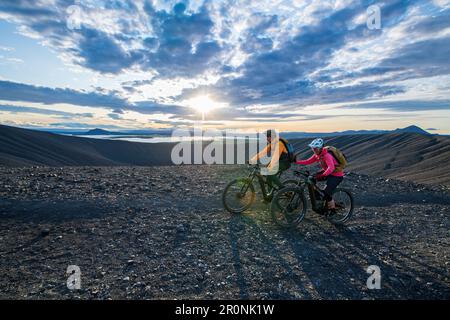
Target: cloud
{"x":112,"y":36}
{"x":13,"y":91}
{"x":5,"y":60}
{"x":24,"y":8}
{"x":431,"y":24}
{"x":101,"y":53}
{"x":8,"y":49}
{"x":404,"y":106}
{"x":283,"y":74}
{"x":17,"y":109}
{"x":422,"y":59}
{"x":182,"y":43}
{"x":300,"y":72}
{"x":288,"y":54}
{"x":246,"y":114}
{"x":77,"y":125}
{"x":114,"y":116}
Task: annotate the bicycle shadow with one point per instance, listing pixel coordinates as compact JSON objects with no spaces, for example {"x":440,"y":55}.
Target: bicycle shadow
{"x":334,"y":267}
{"x":318,"y":276}
{"x":404,"y":276}
{"x":234,"y":228}
{"x":238,"y":224}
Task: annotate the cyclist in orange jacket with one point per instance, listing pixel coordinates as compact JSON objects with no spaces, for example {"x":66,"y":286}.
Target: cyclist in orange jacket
{"x":281,"y":158}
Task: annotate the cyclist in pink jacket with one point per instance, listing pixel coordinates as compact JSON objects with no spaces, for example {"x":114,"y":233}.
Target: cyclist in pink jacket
{"x":331,"y":172}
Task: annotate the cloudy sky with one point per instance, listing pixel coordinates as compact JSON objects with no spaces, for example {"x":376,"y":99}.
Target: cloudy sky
{"x":293,"y":65}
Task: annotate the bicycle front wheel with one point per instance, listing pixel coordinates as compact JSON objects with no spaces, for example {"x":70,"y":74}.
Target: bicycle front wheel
{"x":288,"y":206}
{"x":238,"y":195}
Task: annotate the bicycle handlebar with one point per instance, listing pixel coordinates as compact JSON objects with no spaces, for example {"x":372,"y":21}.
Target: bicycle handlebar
{"x":255,"y":166}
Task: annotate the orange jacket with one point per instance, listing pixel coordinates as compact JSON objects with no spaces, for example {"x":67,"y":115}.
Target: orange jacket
{"x":275,"y":157}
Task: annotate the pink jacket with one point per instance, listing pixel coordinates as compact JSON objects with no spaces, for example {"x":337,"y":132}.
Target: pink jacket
{"x":327,"y":162}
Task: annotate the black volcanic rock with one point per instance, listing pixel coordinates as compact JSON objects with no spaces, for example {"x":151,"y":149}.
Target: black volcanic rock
{"x":407,"y":156}
{"x":23,"y":147}
{"x":137,"y":243}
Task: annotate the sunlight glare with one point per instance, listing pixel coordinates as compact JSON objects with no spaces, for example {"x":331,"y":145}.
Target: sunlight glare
{"x":204,"y":104}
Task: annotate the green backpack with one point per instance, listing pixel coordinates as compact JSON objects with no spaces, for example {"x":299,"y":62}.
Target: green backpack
{"x":290,"y":149}
{"x":339,"y":156}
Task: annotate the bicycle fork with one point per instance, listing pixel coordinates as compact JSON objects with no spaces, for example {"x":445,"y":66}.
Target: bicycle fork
{"x":245,"y":187}
{"x":293,"y":202}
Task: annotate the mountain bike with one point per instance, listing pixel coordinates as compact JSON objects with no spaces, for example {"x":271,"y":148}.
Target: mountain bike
{"x":289,"y":204}
{"x":239,"y":194}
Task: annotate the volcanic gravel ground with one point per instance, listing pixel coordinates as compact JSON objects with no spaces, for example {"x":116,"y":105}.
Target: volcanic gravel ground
{"x":162,"y":233}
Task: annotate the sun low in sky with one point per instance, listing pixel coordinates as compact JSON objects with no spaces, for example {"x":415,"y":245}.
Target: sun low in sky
{"x":308,"y":65}
{"x":203,"y":104}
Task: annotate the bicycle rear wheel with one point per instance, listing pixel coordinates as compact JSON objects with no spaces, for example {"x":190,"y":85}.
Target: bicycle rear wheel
{"x":344,"y":206}
{"x":288,"y":207}
{"x":238,"y":195}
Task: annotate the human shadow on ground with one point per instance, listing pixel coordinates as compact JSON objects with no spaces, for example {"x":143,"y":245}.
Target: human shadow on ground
{"x":332,"y":267}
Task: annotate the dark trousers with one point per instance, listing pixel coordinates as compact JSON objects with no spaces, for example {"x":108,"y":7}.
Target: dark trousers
{"x":332,"y":183}
{"x":274,"y":179}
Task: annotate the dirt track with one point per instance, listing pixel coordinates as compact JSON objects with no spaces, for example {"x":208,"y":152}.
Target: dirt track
{"x":161,"y":233}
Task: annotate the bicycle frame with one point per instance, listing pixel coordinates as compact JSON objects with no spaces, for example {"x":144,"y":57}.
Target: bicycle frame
{"x":262,"y":183}
{"x":312,"y":189}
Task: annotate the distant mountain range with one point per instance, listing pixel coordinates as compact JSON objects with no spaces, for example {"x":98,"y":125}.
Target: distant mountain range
{"x":402,"y":154}
{"x":96,"y":132}
{"x":409,"y":129}
{"x":103,"y":132}
{"x":296,"y":134}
